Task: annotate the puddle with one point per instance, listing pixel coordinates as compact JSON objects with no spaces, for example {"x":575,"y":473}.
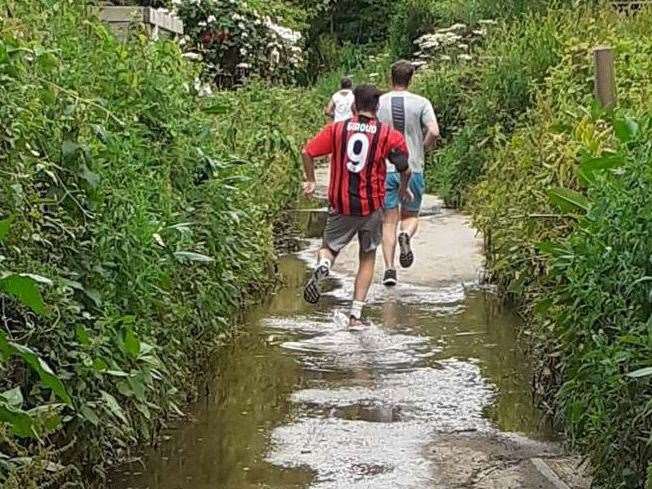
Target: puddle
{"x":299,"y":401}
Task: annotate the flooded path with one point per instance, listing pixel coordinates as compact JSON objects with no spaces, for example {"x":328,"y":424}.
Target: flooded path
{"x":433,"y":394}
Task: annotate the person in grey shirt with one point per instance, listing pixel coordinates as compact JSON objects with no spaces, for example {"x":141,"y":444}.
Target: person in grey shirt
{"x":414,"y":117}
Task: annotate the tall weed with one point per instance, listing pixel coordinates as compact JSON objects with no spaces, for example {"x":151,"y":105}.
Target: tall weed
{"x":144,"y":212}
{"x":586,"y":275}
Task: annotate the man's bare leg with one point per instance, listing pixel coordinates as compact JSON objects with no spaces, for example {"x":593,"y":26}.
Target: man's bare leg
{"x":325,"y":255}
{"x":409,"y":223}
{"x":362,"y":283}
{"x":390,"y":225}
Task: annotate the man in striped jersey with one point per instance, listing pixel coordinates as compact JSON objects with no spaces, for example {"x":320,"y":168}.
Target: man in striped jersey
{"x":414,"y":117}
{"x":359,"y":148}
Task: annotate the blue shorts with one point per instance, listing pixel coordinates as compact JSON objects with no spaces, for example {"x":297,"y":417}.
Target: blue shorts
{"x":392,"y":185}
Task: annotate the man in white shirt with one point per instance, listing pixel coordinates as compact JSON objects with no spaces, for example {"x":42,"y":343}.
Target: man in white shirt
{"x":339,"y":107}
{"x":414,"y":117}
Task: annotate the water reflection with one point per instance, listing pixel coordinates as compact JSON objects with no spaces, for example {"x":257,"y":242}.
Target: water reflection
{"x":300,"y":401}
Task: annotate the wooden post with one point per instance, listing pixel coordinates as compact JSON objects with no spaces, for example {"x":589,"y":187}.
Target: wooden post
{"x":605,"y":76}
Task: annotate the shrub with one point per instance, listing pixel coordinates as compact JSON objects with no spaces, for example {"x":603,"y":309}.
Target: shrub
{"x":236,"y":40}
{"x":413,"y":18}
{"x":591,"y":319}
{"x":598,"y":314}
{"x":481,"y":101}
{"x":141,"y":214}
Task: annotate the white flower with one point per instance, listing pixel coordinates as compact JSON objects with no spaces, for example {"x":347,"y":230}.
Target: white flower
{"x":211,"y":19}
{"x":192,"y":56}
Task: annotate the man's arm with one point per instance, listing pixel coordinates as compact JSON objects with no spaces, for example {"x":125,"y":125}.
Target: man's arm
{"x":309,"y":170}
{"x":320,"y":145}
{"x":429,"y":120}
{"x":400,"y":159}
{"x":432,"y":134}
{"x":330,"y":109}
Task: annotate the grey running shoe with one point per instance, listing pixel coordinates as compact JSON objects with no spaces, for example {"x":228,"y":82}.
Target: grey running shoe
{"x":390,"y":278}
{"x":312,"y":291}
{"x":406,"y":257}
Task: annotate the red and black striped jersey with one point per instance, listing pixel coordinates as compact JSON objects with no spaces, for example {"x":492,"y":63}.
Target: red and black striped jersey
{"x":358,"y":149}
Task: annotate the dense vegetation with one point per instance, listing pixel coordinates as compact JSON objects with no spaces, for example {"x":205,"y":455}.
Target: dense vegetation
{"x":135,"y":216}
{"x":561,"y":191}
{"x":588,"y":276}
{"x":135,"y":219}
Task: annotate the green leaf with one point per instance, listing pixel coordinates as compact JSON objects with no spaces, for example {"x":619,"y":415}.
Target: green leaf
{"x":46,"y":417}
{"x":38,"y":365}
{"x":91,"y":178}
{"x":131,"y":343}
{"x":216,"y":109}
{"x":19,"y":421}
{"x":13,"y":397}
{"x":48,"y":62}
{"x":82,"y":335}
{"x":5,"y":226}
{"x":189,"y":256}
{"x":89,"y":415}
{"x":642,"y":372}
{"x":25,"y":290}
{"x":590,"y":166}
{"x":542,"y":306}
{"x":69,"y":150}
{"x":568,"y":200}
{"x":113,"y":407}
{"x":100,"y":365}
{"x":626,"y":129}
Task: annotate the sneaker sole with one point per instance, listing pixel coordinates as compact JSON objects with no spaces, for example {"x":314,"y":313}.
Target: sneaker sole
{"x":312,"y":291}
{"x":390,"y":282}
{"x":406,"y":257}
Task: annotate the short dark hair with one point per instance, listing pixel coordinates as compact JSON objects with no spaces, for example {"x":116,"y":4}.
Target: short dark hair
{"x":402,"y":72}
{"x":366,"y":98}
{"x":345,"y":83}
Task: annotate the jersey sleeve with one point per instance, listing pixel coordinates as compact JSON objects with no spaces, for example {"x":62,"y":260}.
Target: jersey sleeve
{"x":427,"y":114}
{"x":321,"y":144}
{"x":397,"y":143}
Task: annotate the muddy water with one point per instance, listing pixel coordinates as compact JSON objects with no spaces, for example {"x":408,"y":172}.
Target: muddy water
{"x":299,"y":401}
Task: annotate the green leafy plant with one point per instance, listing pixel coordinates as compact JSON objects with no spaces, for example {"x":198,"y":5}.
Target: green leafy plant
{"x":566,"y":218}
{"x":141,"y":222}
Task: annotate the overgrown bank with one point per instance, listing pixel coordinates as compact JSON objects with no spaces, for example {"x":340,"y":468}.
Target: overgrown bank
{"x":561,"y":190}
{"x":135,"y":220}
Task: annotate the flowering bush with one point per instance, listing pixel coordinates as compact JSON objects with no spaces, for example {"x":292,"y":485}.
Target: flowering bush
{"x":236,"y":41}
{"x":451,"y":43}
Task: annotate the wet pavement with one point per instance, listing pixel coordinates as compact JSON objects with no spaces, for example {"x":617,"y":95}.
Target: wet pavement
{"x":429,"y":389}
{"x":434,"y":393}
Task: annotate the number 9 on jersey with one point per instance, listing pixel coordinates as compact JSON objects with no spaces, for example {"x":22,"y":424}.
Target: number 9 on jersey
{"x":357,"y":151}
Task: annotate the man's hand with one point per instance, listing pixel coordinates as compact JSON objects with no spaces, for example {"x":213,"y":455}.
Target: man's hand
{"x":309,"y":188}
{"x":405,"y":193}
